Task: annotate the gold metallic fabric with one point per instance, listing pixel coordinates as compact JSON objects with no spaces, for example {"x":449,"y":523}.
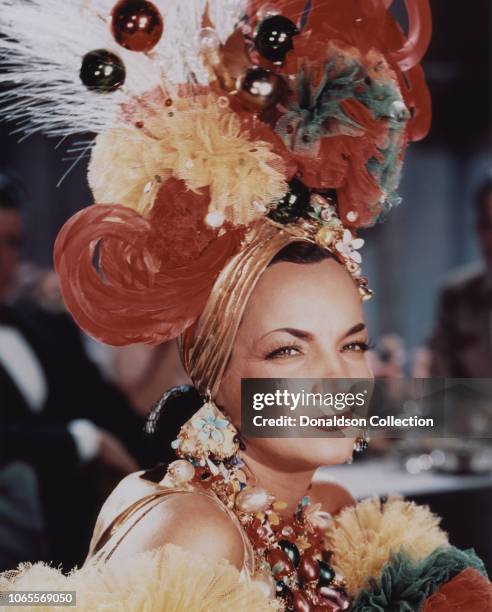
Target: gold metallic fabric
{"x":207,"y":346}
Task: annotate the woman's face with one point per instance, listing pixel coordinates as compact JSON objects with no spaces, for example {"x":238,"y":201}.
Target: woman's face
{"x":302,"y":321}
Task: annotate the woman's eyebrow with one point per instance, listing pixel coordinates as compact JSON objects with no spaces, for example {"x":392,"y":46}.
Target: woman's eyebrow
{"x":308,"y":336}
{"x":355,"y":330}
{"x":297,"y":333}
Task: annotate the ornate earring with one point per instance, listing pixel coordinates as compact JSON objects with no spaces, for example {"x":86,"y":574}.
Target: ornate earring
{"x":360,"y":445}
{"x":361,"y":442}
{"x":208,"y":437}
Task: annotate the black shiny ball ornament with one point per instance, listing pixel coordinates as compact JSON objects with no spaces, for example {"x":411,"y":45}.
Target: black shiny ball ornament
{"x":102,"y":71}
{"x":326,"y":574}
{"x":291,"y":551}
{"x":273,"y":37}
{"x":293,"y":205}
{"x":137,"y":25}
{"x":259,"y":89}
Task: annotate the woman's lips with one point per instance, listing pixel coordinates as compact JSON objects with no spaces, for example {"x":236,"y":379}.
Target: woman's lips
{"x":346,"y":414}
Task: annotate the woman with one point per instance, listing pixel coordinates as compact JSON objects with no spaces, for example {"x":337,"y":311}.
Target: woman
{"x":303,"y":319}
{"x":245,"y":145}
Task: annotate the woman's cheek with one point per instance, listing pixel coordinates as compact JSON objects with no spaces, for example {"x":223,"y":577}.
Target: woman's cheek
{"x":358,"y":366}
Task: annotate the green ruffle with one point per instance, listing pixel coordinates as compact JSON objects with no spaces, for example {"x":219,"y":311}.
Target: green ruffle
{"x":315,"y":106}
{"x":404,"y":586}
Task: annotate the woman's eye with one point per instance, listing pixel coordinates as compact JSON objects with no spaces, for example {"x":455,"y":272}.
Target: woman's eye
{"x":283,"y":352}
{"x":357,"y":347}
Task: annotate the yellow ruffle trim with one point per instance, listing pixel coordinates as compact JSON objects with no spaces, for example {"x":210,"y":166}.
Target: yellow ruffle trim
{"x":165,"y":580}
{"x":198,"y":142}
{"x":364,"y":536}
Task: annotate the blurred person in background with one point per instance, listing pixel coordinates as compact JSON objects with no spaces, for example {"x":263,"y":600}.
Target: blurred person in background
{"x":22,"y":528}
{"x":57,"y":413}
{"x":461,"y":344}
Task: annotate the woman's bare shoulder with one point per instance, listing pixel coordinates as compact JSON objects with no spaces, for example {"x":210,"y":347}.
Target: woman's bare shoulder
{"x":191,"y":520}
{"x":331,"y":495}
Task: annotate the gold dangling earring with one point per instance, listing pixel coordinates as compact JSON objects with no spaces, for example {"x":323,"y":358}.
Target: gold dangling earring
{"x":209,"y":436}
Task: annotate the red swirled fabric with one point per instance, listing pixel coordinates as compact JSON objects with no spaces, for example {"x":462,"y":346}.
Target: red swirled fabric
{"x":127,"y":278}
{"x":368,"y":25}
{"x":468,"y":591}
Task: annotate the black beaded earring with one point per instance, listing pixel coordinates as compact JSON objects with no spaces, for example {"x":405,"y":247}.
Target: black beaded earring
{"x":361,"y":443}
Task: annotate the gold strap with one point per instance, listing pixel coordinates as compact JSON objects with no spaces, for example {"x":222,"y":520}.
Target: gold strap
{"x":145,"y":503}
{"x":124,"y":516}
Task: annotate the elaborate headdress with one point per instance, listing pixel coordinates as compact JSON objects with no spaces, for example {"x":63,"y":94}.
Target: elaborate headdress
{"x":225,"y":130}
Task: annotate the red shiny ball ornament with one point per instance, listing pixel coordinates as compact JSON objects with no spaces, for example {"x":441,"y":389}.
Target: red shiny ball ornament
{"x":280,"y":563}
{"x":259,"y":89}
{"x":137,"y":25}
{"x":308,"y":569}
{"x":300,"y":602}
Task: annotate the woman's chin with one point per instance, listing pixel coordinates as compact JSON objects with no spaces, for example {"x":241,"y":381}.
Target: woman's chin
{"x":307,"y":453}
{"x":331,"y":451}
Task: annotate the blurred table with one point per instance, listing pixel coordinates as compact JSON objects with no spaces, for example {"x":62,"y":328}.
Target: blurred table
{"x":385,"y":476}
{"x":463,"y":502}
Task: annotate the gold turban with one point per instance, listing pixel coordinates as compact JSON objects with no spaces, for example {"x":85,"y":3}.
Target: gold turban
{"x":207,"y":346}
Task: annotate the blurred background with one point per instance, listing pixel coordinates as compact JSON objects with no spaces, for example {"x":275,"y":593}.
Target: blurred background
{"x":429,"y":264}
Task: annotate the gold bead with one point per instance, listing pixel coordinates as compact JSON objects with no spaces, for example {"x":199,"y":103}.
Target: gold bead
{"x":325,"y":236}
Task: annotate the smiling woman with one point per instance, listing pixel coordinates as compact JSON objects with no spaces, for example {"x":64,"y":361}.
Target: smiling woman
{"x":234,"y":165}
{"x":304,"y":319}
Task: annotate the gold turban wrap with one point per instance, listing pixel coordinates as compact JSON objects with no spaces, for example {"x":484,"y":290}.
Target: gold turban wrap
{"x":207,"y":346}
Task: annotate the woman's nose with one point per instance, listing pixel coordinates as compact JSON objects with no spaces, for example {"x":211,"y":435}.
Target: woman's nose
{"x":333,"y":366}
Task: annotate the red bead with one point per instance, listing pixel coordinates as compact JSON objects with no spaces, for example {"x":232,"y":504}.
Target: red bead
{"x":327,"y":555}
{"x":328,"y":607}
{"x":308,"y":569}
{"x":280,"y":563}
{"x":137,"y":25}
{"x":300,"y":603}
{"x":333,"y":599}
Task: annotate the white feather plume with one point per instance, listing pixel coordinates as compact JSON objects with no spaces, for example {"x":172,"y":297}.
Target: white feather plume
{"x":42,"y":44}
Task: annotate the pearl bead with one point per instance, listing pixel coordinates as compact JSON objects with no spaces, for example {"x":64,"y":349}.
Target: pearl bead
{"x":252,"y":499}
{"x":321,"y":520}
{"x":209,"y":39}
{"x":181,"y":471}
{"x":399,"y":111}
{"x":215,"y":219}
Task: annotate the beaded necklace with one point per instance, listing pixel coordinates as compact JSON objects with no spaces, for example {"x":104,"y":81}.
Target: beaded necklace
{"x":292,"y":560}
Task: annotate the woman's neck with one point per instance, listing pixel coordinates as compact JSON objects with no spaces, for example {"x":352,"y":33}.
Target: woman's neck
{"x":288,"y":487}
